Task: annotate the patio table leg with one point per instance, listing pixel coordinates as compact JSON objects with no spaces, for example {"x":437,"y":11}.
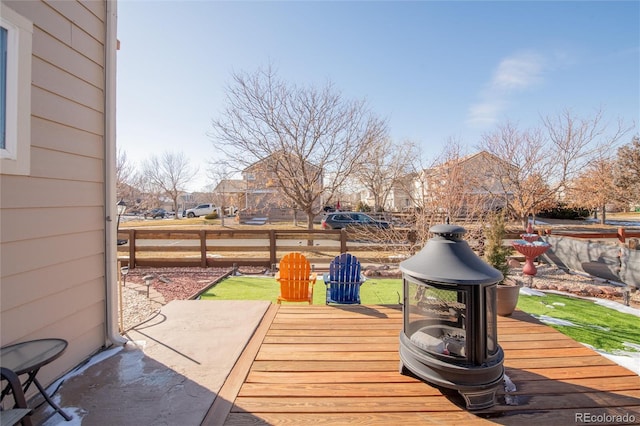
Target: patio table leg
{"x":55,"y":406}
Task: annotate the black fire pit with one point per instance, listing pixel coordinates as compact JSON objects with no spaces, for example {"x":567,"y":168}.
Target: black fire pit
{"x":449,"y":337}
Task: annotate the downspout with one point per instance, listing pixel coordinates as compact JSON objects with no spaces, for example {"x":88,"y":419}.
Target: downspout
{"x":111,"y":256}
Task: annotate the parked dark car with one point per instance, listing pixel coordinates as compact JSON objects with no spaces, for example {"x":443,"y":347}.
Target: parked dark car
{"x":155,"y":213}
{"x":340,"y":220}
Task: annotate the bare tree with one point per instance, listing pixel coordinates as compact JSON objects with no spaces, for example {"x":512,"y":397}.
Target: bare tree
{"x":627,"y":172}
{"x":575,"y":141}
{"x":449,"y":187}
{"x":313,"y":139}
{"x":383,"y":165}
{"x":125,"y":176}
{"x":594,"y":187}
{"x":221,"y":173}
{"x":440,"y":189}
{"x":545,"y":159}
{"x":168,"y":175}
{"x":462,"y":186}
{"x":144,"y":196}
{"x":530,"y":164}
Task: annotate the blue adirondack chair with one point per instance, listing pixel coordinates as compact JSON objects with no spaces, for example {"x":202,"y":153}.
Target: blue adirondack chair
{"x":344,"y":280}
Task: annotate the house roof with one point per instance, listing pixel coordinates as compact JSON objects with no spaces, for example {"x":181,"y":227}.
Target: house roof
{"x":478,"y":156}
{"x":268,"y":161}
{"x":231,"y":186}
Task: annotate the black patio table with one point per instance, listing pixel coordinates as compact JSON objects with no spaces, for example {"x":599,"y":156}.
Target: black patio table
{"x":27,"y":358}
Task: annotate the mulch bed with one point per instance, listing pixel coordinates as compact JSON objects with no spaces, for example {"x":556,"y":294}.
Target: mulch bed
{"x":183,"y":283}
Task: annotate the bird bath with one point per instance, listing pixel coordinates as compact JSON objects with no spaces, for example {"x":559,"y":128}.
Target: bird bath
{"x":530,"y":248}
{"x":529,"y":236}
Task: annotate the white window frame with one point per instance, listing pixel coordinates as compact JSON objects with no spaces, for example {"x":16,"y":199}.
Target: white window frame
{"x":15,"y":157}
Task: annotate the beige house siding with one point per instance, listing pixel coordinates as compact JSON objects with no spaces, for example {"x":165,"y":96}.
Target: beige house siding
{"x":475,"y":178}
{"x":263,"y":188}
{"x":52,"y":221}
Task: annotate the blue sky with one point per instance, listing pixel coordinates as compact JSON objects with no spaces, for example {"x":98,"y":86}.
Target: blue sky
{"x":435,"y":70}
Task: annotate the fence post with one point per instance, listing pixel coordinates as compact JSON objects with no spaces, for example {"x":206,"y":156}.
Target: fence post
{"x":132,"y":248}
{"x":203,"y":248}
{"x":343,"y":240}
{"x":621,"y":235}
{"x":272,"y":246}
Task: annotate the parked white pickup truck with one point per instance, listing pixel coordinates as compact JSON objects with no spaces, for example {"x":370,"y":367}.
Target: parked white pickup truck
{"x":202,"y":210}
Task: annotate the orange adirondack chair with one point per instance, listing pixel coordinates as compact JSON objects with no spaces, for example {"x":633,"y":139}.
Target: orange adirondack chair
{"x":296,"y":279}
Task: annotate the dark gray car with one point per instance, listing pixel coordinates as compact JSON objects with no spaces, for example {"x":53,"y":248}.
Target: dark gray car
{"x":156,"y":213}
{"x":340,"y":220}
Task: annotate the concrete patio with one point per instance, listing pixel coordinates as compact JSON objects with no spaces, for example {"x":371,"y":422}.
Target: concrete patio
{"x":170,"y":372}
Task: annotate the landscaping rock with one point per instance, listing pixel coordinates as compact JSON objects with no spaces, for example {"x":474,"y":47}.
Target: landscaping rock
{"x":513,"y":263}
{"x":552,"y":278}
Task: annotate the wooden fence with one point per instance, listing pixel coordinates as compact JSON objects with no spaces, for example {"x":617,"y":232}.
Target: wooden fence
{"x":259,"y":247}
{"x":265,"y":247}
{"x":621,"y":234}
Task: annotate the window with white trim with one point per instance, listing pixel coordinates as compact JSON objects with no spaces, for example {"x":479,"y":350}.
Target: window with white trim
{"x":15,"y":92}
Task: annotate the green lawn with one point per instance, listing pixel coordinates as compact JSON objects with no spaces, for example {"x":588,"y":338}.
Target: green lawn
{"x":593,"y":324}
{"x":374,"y":291}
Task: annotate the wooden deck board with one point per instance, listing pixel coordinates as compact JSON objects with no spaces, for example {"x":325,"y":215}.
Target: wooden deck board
{"x":339,"y":365}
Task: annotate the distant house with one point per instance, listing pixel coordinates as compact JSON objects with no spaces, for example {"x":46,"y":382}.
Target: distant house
{"x":57,"y":185}
{"x":458,"y":186}
{"x":262,"y":179}
{"x":231,"y":192}
{"x":465,"y":185}
{"x":399,"y":198}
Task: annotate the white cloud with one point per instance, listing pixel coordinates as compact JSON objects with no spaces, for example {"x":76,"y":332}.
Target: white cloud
{"x":518,"y":72}
{"x":486,"y":113}
{"x":513,"y":74}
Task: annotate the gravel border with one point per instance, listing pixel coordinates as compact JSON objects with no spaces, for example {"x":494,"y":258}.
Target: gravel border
{"x":172,"y":284}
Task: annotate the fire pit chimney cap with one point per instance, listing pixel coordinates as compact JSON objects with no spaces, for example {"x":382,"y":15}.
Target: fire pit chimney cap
{"x":447,"y":258}
{"x":449,"y":232}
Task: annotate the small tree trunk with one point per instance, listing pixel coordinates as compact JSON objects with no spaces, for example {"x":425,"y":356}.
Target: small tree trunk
{"x":525,"y":221}
{"x":310,"y":217}
{"x":603,"y":216}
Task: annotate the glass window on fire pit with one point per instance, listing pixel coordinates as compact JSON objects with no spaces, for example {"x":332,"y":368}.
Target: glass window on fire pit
{"x":491,"y":298}
{"x":436,"y":320}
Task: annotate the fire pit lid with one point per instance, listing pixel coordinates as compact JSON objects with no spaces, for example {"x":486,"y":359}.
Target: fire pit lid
{"x":447,"y":258}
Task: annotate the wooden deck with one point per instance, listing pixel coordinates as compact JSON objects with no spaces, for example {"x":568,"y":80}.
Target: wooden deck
{"x":339,"y":365}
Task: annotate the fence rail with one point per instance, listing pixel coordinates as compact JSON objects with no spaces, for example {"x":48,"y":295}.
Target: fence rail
{"x":260,"y":247}
{"x":265,"y":247}
{"x":621,"y":234}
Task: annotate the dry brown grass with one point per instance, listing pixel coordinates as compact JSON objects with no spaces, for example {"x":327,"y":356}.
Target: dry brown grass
{"x":202,"y":223}
{"x":230,"y":223}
